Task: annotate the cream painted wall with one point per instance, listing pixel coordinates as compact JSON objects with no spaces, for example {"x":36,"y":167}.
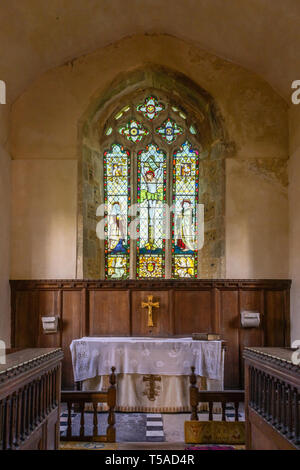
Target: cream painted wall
{"x":256,"y":224}
{"x":44,"y":208}
{"x":294,"y":213}
{"x":5,"y":166}
{"x":45,"y":131}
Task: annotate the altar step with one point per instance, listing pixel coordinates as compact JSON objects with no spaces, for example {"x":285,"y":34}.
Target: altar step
{"x":142,"y":427}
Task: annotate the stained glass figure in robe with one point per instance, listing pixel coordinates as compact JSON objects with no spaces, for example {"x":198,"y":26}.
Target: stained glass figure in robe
{"x":185,"y":198}
{"x":151,"y":197}
{"x":117,"y":196}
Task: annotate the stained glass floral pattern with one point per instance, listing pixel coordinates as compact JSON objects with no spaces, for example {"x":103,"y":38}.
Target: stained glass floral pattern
{"x":117,"y":198}
{"x":151,"y":197}
{"x":134,"y":131}
{"x":169,"y":130}
{"x":185,"y":198}
{"x":151,"y":107}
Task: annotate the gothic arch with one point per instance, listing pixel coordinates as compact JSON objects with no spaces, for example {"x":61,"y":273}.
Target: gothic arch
{"x":211,"y":140}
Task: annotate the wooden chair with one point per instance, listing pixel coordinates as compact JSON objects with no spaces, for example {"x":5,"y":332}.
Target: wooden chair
{"x":79,"y":399}
{"x":214,"y":432}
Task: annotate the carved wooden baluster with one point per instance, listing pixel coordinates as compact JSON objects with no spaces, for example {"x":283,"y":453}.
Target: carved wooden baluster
{"x":279,"y":409}
{"x":18,"y":419}
{"x":296,"y":413}
{"x":223,"y":410}
{"x":51,"y":391}
{"x":210,"y":410}
{"x":5,"y":423}
{"x":82,"y":419}
{"x":13,"y":418}
{"x":23,"y":415}
{"x":236,"y":411}
{"x":290,"y":427}
{"x":28,"y":409}
{"x":284,"y":409}
{"x":69,"y":428}
{"x":273,"y":399}
{"x":95,"y":420}
{"x":38,"y":401}
{"x":252,"y":386}
{"x":53,"y":388}
{"x":194,"y":395}
{"x":257,"y":401}
{"x":268,"y":397}
{"x":9,"y":421}
{"x":264,"y":391}
{"x":260,"y":391}
{"x":111,"y":401}
{"x":1,"y":423}
{"x":47,"y":392}
{"x":33,"y":403}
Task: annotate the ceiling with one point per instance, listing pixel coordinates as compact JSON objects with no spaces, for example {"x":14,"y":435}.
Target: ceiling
{"x":260,"y":35}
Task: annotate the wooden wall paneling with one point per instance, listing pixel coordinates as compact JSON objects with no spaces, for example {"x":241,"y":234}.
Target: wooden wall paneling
{"x":84,"y":314}
{"x":72,"y":329}
{"x":251,"y":300}
{"x":193,"y":311}
{"x":162,"y":316}
{"x":114,"y":308}
{"x":49,"y":305}
{"x":275,"y":317}
{"x":109,"y":313}
{"x":287,"y":329}
{"x":216,"y":310}
{"x":26,"y":321}
{"x":230,"y":321}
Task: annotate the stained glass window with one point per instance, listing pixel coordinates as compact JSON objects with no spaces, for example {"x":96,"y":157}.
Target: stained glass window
{"x":133,"y":131}
{"x":169,"y":130}
{"x":151,"y":190}
{"x":185,"y":198}
{"x":151,"y":107}
{"x":117,"y":198}
{"x":148,"y":126}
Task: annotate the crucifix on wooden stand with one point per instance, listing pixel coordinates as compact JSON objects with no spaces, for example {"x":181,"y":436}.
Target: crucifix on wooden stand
{"x":150,"y":304}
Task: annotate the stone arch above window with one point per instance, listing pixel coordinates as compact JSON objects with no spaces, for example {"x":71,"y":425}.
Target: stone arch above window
{"x":165,"y":125}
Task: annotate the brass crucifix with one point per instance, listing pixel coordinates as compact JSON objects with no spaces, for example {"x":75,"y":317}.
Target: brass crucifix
{"x":149,"y":305}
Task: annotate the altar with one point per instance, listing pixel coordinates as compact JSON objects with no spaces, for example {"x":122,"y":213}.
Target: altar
{"x":152,"y":373}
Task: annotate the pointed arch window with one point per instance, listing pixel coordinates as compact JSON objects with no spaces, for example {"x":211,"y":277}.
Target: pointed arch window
{"x":151,"y":157}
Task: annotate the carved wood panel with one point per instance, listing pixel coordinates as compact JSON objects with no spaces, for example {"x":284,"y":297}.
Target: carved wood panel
{"x":109,"y":313}
{"x":193,"y":312}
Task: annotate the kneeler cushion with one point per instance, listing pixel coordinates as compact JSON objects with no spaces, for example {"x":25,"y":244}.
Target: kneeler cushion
{"x":214,"y":432}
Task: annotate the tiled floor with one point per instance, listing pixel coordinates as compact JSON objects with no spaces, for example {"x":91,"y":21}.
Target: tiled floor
{"x":142,"y":427}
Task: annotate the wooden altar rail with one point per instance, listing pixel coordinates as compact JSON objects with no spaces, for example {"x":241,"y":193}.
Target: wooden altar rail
{"x":272,"y":402}
{"x":80,"y":398}
{"x":277,"y":402}
{"x":223,"y":396}
{"x":26,"y":409}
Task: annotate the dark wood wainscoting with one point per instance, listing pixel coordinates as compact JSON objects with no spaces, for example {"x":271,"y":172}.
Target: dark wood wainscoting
{"x":114,"y":308}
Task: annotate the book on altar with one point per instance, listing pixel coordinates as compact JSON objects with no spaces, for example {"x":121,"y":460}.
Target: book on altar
{"x":206,"y":337}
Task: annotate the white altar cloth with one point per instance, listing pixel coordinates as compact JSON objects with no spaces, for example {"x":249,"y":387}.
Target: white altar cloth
{"x":94,"y":356}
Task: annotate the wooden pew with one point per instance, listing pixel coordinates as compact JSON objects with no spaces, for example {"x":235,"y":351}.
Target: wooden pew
{"x":79,"y":399}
